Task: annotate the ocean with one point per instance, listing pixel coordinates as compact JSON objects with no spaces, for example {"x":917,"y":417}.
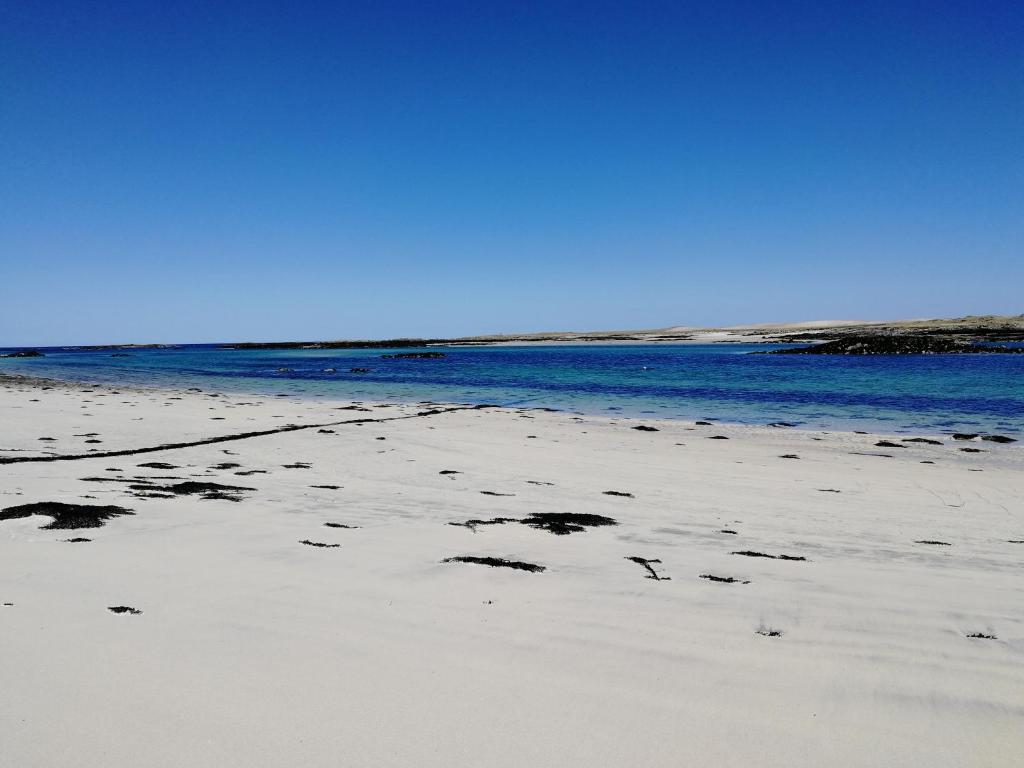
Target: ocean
{"x":725,"y":382}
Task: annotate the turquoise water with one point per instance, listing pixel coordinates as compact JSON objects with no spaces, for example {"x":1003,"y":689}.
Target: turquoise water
{"x":723,"y":382}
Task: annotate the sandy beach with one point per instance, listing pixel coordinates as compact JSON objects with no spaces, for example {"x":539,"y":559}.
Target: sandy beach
{"x":704,"y":594}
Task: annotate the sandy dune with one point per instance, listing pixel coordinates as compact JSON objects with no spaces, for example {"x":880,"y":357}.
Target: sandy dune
{"x":252,"y":648}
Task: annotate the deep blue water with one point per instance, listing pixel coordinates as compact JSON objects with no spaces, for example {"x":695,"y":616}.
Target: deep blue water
{"x":724,"y":382}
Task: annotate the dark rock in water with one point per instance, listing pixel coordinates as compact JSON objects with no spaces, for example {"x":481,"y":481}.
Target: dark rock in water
{"x":924,"y":440}
{"x":25,"y":353}
{"x":358,"y":370}
{"x":998,"y":439}
{"x":66,"y":516}
{"x":964,"y":436}
{"x":414,"y":356}
{"x":124,"y":609}
{"x":562,"y":523}
{"x":644,"y":428}
{"x":888,"y":444}
{"x":496,"y":562}
{"x":897,"y":344}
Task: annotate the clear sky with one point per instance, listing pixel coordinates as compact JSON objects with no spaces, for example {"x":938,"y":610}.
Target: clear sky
{"x":207,"y":171}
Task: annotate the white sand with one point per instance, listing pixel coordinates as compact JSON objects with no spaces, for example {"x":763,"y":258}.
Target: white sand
{"x":255,"y":650}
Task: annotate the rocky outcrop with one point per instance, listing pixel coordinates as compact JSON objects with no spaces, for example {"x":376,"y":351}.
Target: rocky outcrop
{"x":897,"y":344}
{"x":25,"y":353}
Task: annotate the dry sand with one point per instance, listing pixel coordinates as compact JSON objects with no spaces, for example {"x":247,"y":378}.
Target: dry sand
{"x":253,"y":649}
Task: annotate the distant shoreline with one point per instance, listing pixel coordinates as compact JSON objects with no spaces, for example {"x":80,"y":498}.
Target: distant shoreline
{"x":971,"y":328}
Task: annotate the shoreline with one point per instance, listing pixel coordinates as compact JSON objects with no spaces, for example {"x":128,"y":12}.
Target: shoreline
{"x":9,"y":379}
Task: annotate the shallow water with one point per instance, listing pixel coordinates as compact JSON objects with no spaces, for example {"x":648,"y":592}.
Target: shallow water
{"x":723,"y":382}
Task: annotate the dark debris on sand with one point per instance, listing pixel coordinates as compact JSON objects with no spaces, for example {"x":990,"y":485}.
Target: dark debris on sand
{"x":496,"y":562}
{"x":722,"y":579}
{"x":66,"y":516}
{"x":646,"y":563}
{"x":124,"y":609}
{"x":750,"y":553}
{"x":309,"y":543}
{"x":623,"y":494}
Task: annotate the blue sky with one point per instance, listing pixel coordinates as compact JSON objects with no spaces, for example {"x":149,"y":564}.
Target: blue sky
{"x":184,"y":172}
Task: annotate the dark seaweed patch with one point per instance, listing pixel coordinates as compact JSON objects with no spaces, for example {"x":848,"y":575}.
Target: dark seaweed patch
{"x":124,"y":609}
{"x":937,"y":543}
{"x":718,"y":437}
{"x":768,"y":632}
{"x":472,"y":524}
{"x":226,"y":465}
{"x":339,"y":525}
{"x":496,"y":562}
{"x":722,"y":579}
{"x":982,"y":636}
{"x":750,"y":553}
{"x":157,"y":465}
{"x":66,"y":516}
{"x":644,"y":428}
{"x":888,"y":444}
{"x":923,"y":440}
{"x":618,"y":493}
{"x":327,"y":487}
{"x":789,"y":456}
{"x":309,"y":543}
{"x":495,"y":493}
{"x":562,"y":523}
{"x":646,"y":563}
{"x":193,"y":488}
{"x":449,"y":472}
{"x":77,"y":540}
